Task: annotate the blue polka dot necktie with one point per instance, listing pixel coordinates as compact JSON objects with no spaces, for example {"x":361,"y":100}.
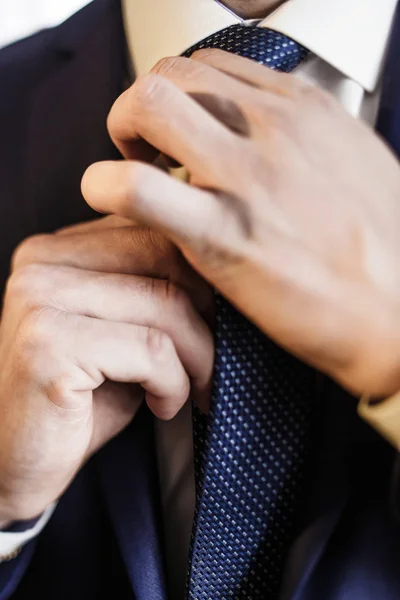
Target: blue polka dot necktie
{"x":250,"y":452}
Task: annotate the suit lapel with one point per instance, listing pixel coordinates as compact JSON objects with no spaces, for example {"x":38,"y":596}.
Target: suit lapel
{"x":66,"y":129}
{"x":388,"y":123}
{"x":329,"y":488}
{"x":128,"y":472}
{"x":332,"y":488}
{"x":66,"y":132}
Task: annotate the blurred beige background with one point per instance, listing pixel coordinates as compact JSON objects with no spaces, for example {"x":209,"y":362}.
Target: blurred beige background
{"x":19,"y":18}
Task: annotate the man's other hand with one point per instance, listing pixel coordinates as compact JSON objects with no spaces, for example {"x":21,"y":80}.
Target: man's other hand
{"x":94,"y":317}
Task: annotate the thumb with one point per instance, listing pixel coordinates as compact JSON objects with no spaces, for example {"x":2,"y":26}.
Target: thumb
{"x":193,"y":218}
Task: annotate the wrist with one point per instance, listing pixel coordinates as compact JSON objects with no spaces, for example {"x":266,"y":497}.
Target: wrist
{"x":13,"y":539}
{"x":21,"y":511}
{"x":371,"y":353}
{"x":375,"y":381}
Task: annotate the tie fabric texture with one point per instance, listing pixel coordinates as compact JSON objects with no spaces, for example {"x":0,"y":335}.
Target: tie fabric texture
{"x":250,"y":453}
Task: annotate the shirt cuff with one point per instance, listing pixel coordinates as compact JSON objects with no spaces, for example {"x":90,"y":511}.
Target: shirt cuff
{"x":384,"y":416}
{"x":11,"y":542}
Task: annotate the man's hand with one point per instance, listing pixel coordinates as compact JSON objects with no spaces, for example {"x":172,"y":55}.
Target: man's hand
{"x":89,"y":314}
{"x":292,"y":208}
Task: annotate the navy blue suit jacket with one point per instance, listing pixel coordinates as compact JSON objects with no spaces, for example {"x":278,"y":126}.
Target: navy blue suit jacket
{"x":104,"y":539}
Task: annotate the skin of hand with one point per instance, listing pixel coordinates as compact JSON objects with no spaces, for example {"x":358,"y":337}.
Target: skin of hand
{"x":291,"y":209}
{"x":94,"y":317}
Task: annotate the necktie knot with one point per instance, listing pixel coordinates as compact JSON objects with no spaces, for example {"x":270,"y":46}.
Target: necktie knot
{"x":265,"y":46}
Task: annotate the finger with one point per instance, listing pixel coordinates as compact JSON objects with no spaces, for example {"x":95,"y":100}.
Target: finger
{"x":155,"y":110}
{"x":141,"y":301}
{"x":186,"y":214}
{"x":110,"y":222}
{"x":248,"y":71}
{"x":129,"y":250}
{"x":236,"y":103}
{"x":221,"y":95}
{"x":114,"y":407}
{"x":120,"y":352}
{"x":145,"y":302}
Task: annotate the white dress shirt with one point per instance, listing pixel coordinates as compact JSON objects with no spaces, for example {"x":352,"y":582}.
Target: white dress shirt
{"x":348,"y":39}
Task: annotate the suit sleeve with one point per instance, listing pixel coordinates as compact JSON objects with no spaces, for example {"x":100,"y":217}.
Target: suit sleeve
{"x":23,"y":532}
{"x":16,"y":62}
{"x":395,"y":489}
{"x":11,"y":571}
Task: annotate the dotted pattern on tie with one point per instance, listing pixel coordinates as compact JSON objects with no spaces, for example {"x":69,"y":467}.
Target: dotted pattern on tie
{"x":250,"y":453}
{"x":262,"y":45}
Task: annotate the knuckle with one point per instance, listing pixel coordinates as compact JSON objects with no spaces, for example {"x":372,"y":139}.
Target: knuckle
{"x":57,"y":390}
{"x":148,"y":90}
{"x":316,"y":97}
{"x":36,"y":331}
{"x":293,"y":86}
{"x":281,"y":119}
{"x":203,"y":53}
{"x":176,"y":297}
{"x":27,"y":251}
{"x":167,"y":64}
{"x":159,"y":344}
{"x":26,"y":284}
{"x":112,"y":125}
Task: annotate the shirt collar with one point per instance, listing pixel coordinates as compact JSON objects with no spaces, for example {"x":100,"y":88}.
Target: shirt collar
{"x":351,"y":35}
{"x":158,"y":28}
